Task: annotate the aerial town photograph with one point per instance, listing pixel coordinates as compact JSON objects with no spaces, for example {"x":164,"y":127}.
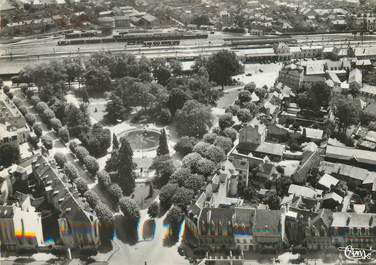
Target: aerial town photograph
{"x":187,"y":132}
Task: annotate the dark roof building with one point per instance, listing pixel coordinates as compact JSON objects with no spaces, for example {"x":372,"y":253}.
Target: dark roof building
{"x":78,"y":224}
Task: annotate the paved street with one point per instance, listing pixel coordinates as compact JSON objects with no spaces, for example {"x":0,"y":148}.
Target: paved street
{"x":157,"y":251}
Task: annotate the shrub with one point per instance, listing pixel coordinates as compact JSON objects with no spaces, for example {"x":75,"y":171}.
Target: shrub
{"x":225,"y":121}
{"x":180,"y":175}
{"x":91,"y":164}
{"x":34,"y":100}
{"x":55,"y":124}
{"x":64,"y":134}
{"x":92,"y":198}
{"x":104,"y":178}
{"x":6,"y":89}
{"x":17,"y":101}
{"x":81,"y":185}
{"x":230,"y":133}
{"x":30,"y":119}
{"x":73,"y":146}
{"x":81,"y":153}
{"x":60,"y":159}
{"x":224,"y":143}
{"x":153,"y":210}
{"x":244,"y":115}
{"x":41,"y":106}
{"x":182,"y":197}
{"x":47,"y":141}
{"x":47,"y":115}
{"x":37,"y":128}
{"x":185,"y":145}
{"x":190,"y":160}
{"x":71,"y":171}
{"x":115,"y":192}
{"x":166,"y":193}
{"x":204,"y":167}
{"x":210,"y":137}
{"x":194,"y":182}
{"x":23,"y":109}
{"x":165,"y":116}
{"x":129,"y":208}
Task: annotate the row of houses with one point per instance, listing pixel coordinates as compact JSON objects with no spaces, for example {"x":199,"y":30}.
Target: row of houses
{"x":13,"y":126}
{"x":23,"y":227}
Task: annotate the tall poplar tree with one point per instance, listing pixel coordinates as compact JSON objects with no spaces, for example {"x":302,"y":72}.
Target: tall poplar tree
{"x":163,"y":145}
{"x":126,"y":178}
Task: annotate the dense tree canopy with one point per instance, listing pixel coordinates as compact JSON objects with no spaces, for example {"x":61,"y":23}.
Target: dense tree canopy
{"x":163,"y":144}
{"x":9,"y":154}
{"x":347,"y":112}
{"x":129,"y":208}
{"x":194,"y":119}
{"x":222,"y":66}
{"x":185,"y":145}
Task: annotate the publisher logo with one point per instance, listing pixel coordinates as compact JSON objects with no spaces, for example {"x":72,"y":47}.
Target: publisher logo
{"x":363,"y":254}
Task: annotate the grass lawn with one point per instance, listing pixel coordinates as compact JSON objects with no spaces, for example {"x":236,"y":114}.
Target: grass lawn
{"x":97,"y":108}
{"x":228,"y":98}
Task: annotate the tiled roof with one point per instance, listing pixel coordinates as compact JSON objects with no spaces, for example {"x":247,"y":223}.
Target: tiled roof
{"x":347,"y":154}
{"x":333,"y":196}
{"x":65,"y":196}
{"x":304,"y":191}
{"x":267,"y":223}
{"x":327,"y":181}
{"x":270,"y":148}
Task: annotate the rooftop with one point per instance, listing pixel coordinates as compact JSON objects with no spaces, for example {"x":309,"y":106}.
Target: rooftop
{"x":347,"y":154}
{"x":328,"y":181}
{"x":304,"y":191}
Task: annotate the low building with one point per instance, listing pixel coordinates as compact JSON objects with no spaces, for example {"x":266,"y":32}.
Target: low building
{"x":106,"y":22}
{"x":122,"y":21}
{"x":148,"y":21}
{"x":314,"y":135}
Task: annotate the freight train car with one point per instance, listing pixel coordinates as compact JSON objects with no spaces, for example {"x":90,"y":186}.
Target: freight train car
{"x":259,"y":41}
{"x":138,"y":38}
{"x":161,"y":43}
{"x":82,"y":34}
